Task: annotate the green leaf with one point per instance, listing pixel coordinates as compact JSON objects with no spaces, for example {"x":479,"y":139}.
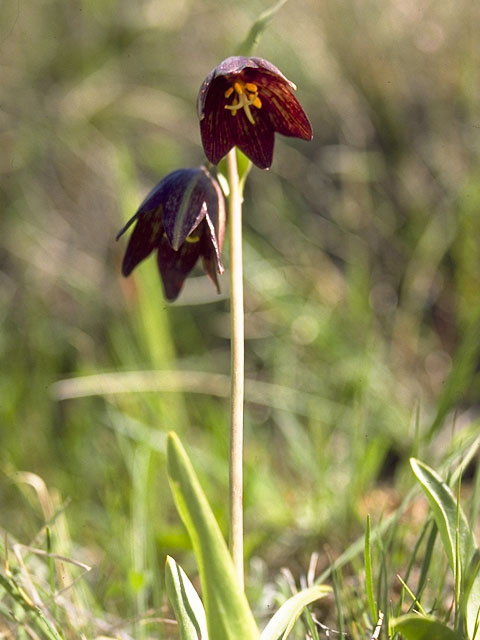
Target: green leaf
{"x":186,"y":603}
{"x":445,"y":512}
{"x":244,"y":165}
{"x":415,"y":627}
{"x":228,"y":615}
{"x":285,"y":618}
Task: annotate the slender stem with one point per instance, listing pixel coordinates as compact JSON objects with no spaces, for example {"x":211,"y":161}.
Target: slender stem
{"x":237,"y":366}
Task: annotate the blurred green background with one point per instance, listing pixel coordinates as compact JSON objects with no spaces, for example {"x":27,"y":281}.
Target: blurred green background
{"x":362,"y":261}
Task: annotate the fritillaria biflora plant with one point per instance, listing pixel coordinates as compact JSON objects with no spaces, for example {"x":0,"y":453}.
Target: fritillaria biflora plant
{"x":241,"y":104}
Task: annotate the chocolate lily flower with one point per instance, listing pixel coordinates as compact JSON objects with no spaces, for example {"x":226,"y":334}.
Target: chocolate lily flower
{"x":183,"y":218}
{"x":242,"y":102}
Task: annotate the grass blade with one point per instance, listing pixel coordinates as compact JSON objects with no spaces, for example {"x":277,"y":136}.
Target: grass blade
{"x":422,"y":581}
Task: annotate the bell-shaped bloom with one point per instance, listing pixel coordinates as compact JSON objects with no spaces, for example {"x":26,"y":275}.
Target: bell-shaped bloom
{"x":183,"y":219}
{"x":242,"y":103}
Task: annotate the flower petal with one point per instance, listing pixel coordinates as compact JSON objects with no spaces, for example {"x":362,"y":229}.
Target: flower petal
{"x":284,"y":110}
{"x":175,"y":266}
{"x":156,"y":195}
{"x":256,"y":141}
{"x":216,"y":217}
{"x":210,"y":265}
{"x":267,"y":68}
{"x":210,"y":253}
{"x":146,"y":236}
{"x":216,"y":124}
{"x":221,"y":131}
{"x":231,"y":67}
{"x":184,"y":199}
{"x":228,"y":67}
{"x":210,"y":244}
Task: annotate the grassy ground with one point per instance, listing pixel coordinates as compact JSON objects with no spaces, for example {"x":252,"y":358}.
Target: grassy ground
{"x":362,"y":276}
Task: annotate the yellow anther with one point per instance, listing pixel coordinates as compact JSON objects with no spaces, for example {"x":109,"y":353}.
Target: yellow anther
{"x":192,"y":239}
{"x":246,"y":97}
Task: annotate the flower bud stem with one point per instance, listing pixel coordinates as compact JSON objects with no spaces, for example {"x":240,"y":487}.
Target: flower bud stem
{"x":237,"y":365}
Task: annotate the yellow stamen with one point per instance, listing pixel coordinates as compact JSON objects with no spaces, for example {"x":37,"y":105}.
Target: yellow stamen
{"x":246,"y":97}
{"x":192,"y":239}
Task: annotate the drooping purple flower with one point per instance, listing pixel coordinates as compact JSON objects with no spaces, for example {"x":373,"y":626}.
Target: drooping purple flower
{"x":242,"y":103}
{"x":183,"y":218}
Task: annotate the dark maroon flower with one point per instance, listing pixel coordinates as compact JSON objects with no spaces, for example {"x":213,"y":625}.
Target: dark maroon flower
{"x":242,"y":102}
{"x":183,"y":217}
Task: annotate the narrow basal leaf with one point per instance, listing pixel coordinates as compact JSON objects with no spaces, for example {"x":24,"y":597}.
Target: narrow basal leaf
{"x":444,"y":508}
{"x":414,"y":627}
{"x":228,"y":615}
{"x":285,"y":618}
{"x":188,"y":607}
